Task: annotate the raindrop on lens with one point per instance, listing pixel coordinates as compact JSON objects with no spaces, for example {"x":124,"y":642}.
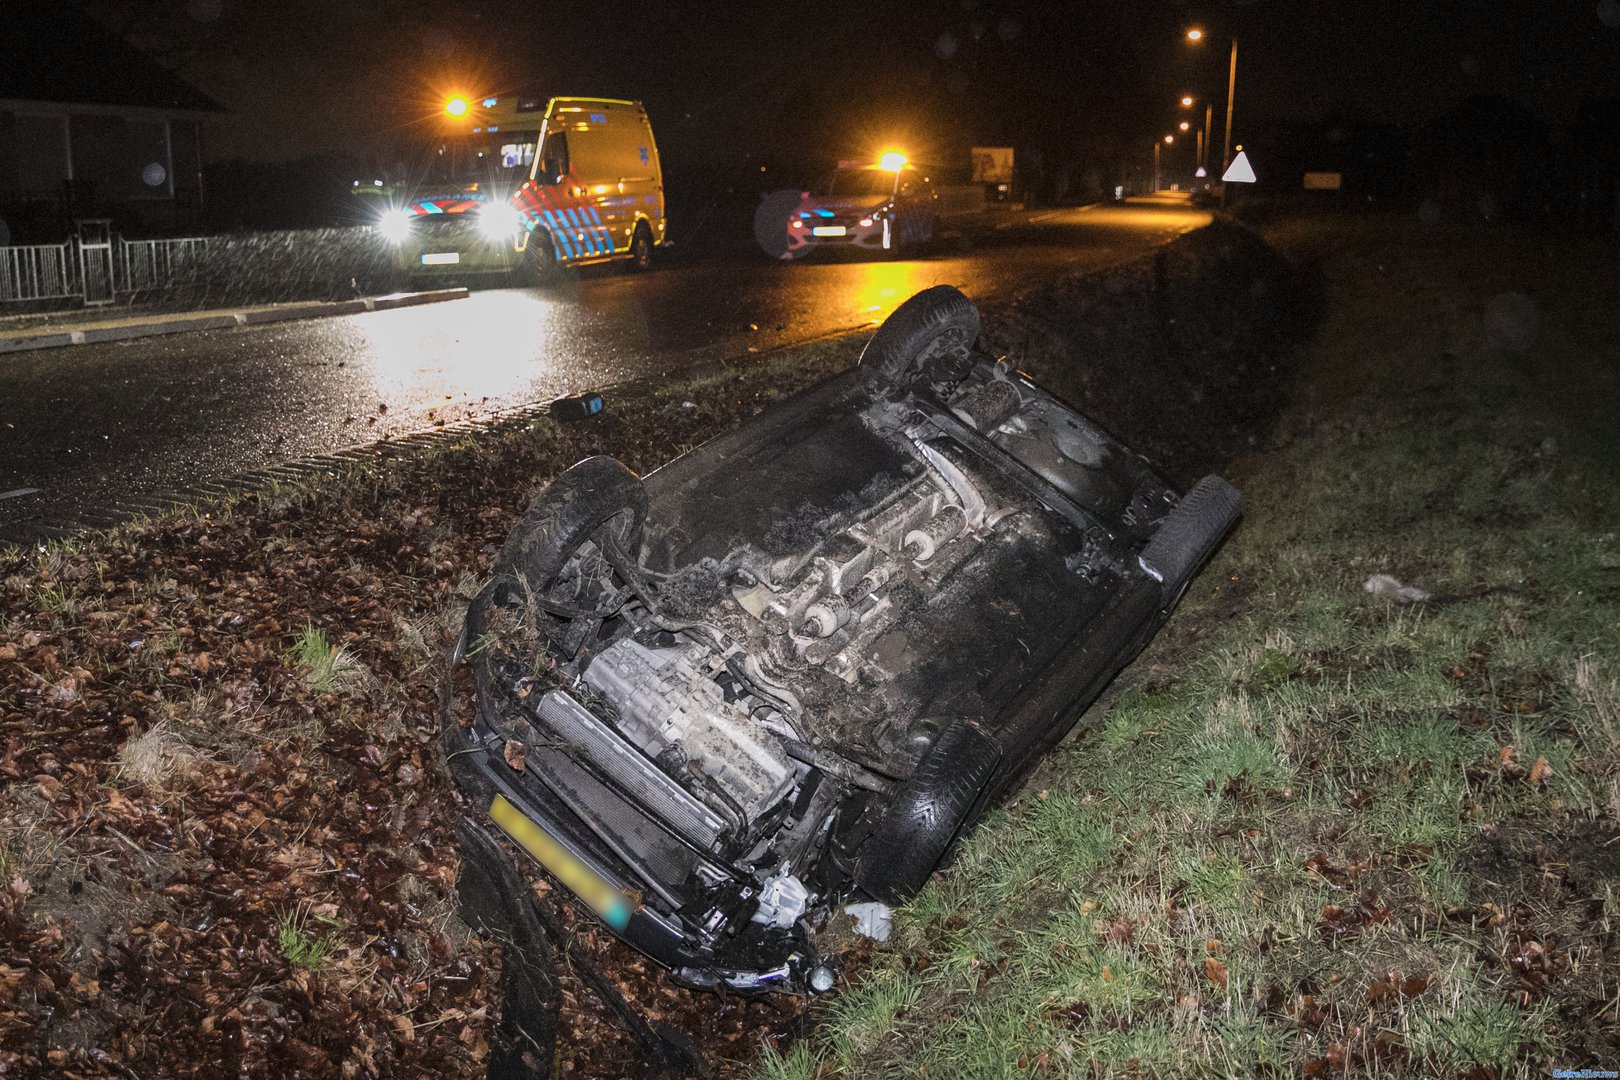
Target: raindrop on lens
{"x":945,"y":46}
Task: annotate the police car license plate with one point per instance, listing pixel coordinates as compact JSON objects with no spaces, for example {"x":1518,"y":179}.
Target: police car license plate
{"x":828,"y":230}
{"x":585,"y":883}
{"x":441,"y":258}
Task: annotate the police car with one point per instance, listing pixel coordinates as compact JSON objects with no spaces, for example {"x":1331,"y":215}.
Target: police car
{"x":888,"y":206}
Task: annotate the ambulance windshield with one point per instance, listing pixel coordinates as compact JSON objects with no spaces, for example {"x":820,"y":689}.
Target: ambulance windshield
{"x":486,"y":157}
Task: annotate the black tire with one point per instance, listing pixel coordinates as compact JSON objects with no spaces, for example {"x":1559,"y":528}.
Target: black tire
{"x":927,"y":813}
{"x":935,"y":323}
{"x":596,"y":492}
{"x":641,"y":249}
{"x":539,"y":259}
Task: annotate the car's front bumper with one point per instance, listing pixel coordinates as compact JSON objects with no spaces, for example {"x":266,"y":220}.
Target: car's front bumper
{"x":869,"y":237}
{"x":479,"y":769}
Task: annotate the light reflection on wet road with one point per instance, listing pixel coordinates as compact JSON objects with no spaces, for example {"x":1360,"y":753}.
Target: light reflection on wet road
{"x":93,"y":424}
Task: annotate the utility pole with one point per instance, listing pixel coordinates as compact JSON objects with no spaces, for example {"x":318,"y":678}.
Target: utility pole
{"x":1231,"y":94}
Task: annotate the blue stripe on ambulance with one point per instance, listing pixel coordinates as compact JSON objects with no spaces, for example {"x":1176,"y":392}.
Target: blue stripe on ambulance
{"x":572,"y":225}
{"x":601,"y":229}
{"x":593,"y":245}
{"x":559,"y":235}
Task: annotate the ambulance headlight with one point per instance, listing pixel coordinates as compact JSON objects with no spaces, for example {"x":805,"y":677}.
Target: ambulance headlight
{"x":395,"y":225}
{"x":499,"y":220}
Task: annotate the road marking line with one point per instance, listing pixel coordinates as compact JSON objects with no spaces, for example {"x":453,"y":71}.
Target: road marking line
{"x":18,"y":492}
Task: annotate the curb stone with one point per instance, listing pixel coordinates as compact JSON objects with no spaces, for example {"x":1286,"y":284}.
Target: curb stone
{"x":180,"y":324}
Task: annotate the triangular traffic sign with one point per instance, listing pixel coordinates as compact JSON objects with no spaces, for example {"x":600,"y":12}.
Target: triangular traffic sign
{"x":1200,"y":173}
{"x":1240,"y":171}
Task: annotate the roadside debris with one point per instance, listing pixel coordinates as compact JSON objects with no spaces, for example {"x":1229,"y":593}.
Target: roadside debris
{"x":1391,"y":589}
{"x":578,"y":407}
{"x":872,"y":919}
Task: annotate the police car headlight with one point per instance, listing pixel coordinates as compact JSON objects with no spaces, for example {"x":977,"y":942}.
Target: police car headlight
{"x":395,"y":225}
{"x":498,"y":220}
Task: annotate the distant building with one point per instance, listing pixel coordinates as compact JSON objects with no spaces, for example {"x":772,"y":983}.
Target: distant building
{"x":91,"y":127}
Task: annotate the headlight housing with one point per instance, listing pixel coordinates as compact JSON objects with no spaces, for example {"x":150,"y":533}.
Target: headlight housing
{"x":395,"y":224}
{"x":498,"y":220}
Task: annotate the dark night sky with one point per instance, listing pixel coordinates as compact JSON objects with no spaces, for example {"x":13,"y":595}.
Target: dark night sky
{"x":309,"y":77}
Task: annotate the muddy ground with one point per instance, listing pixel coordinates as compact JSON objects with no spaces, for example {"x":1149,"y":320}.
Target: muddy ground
{"x":226,"y":847}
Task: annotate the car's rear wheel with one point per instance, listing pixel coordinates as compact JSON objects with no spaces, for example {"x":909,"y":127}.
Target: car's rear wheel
{"x":641,"y":248}
{"x":927,"y":813}
{"x":937,"y":323}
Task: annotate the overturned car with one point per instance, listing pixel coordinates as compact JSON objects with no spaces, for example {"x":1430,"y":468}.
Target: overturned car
{"x":788,"y":668}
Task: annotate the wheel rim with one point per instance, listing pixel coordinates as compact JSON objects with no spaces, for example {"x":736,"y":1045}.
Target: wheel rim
{"x":643,"y":250}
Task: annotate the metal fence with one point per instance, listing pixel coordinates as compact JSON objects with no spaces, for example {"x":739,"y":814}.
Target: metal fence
{"x":38,"y":272}
{"x":97,"y":267}
{"x":141,"y":265}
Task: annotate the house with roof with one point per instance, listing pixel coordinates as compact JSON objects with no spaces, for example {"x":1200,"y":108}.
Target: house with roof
{"x":91,"y":127}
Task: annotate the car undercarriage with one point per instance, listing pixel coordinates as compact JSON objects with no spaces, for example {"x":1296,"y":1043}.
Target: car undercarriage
{"x":790,"y":667}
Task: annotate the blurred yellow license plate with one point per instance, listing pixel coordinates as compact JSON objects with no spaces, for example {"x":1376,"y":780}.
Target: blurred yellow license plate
{"x":828,"y":230}
{"x":441,"y":258}
{"x":585,"y":883}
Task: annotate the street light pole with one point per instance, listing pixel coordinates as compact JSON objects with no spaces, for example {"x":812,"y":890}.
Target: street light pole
{"x":1155,"y":187}
{"x":1209,"y":115}
{"x":1231,"y":94}
{"x":1196,"y":35}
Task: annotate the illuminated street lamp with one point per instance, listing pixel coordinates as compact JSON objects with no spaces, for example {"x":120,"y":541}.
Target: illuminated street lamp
{"x":1186,"y":101}
{"x":893,"y":161}
{"x":1168,"y":140}
{"x":456,"y":106}
{"x":1195,"y":34}
{"x":1183,"y":126}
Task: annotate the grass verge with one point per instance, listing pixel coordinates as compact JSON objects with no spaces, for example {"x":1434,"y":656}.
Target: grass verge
{"x":1315,"y":831}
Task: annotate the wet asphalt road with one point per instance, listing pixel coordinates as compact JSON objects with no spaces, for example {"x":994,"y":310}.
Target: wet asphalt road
{"x":92,"y":425}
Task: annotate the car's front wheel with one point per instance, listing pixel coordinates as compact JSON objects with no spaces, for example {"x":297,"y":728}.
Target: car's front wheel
{"x":558,"y":557}
{"x":927,"y":813}
{"x":539,"y":260}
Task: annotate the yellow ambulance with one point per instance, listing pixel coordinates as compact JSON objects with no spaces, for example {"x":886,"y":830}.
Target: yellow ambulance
{"x":523,"y":184}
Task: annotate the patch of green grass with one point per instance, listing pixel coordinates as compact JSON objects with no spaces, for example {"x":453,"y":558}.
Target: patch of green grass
{"x":326,"y":666}
{"x":1273,"y":844}
{"x":60,"y":604}
{"x":301,"y":946}
{"x":1476,"y":1030}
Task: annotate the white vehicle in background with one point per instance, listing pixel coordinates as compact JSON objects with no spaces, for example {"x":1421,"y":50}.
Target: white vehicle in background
{"x":889,"y":206}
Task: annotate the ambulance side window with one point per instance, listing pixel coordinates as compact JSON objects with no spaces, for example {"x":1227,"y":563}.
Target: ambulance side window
{"x":554,"y":159}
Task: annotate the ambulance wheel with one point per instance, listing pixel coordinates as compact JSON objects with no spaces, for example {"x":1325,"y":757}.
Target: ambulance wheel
{"x":641,"y":248}
{"x":539,"y":260}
